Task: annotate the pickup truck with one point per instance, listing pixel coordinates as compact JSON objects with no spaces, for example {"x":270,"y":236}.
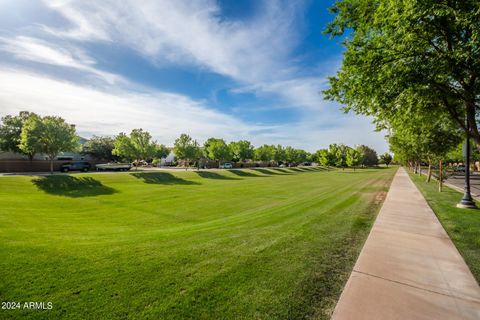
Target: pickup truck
{"x":75,"y":166}
{"x":113,"y":166}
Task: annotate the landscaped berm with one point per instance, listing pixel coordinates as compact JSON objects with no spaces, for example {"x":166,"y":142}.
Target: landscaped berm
{"x":223,"y":244}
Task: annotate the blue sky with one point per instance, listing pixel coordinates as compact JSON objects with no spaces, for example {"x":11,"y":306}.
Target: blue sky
{"x":230,"y":69}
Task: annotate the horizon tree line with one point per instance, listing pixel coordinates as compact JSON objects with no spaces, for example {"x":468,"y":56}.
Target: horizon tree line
{"x":30,"y":134}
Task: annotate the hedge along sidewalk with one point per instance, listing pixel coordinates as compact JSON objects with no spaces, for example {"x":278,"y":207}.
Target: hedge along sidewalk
{"x":409,"y":268}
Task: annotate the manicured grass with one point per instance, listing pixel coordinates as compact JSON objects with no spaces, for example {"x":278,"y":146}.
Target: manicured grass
{"x":462,"y":225}
{"x":266,"y":244}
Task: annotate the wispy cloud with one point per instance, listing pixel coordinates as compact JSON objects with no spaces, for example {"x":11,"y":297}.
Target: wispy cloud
{"x":108,"y":112}
{"x":257,"y":53}
{"x":190,"y":32}
{"x":37,"y":50}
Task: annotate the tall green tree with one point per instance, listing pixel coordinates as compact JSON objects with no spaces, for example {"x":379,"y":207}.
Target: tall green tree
{"x":138,"y":146}
{"x":49,"y":135}
{"x":242,"y":150}
{"x":100,"y":148}
{"x":217,"y":150}
{"x":264,"y":153}
{"x":325,"y":158}
{"x":354,"y":157}
{"x":301,"y":156}
{"x":386,"y":158}
{"x":339,"y":151}
{"x":290,"y":154}
{"x":160,"y":151}
{"x":409,"y":57}
{"x":369,"y":156}
{"x":187,"y":149}
{"x":10,"y":133}
{"x":279,"y":154}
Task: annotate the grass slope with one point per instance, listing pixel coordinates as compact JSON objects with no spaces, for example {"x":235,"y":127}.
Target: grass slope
{"x":462,"y":225}
{"x":162,"y":245}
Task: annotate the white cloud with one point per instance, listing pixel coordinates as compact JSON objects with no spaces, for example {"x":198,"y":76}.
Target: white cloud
{"x":189,"y":32}
{"x":165,"y":115}
{"x":255,"y":52}
{"x":37,"y":50}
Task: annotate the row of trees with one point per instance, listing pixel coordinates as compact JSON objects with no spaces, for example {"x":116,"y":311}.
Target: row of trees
{"x":30,"y":134}
{"x":414,"y":67}
{"x":340,"y":155}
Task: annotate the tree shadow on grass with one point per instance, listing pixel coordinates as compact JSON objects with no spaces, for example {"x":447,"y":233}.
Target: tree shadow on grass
{"x":213,"y":175}
{"x":70,"y":186}
{"x":296,"y":169}
{"x":242,"y":173}
{"x":272,"y":172}
{"x":161,"y":178}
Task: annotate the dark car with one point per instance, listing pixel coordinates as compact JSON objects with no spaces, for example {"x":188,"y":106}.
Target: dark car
{"x":75,"y":166}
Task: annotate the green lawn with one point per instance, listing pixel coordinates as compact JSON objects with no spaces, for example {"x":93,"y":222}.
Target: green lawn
{"x":462,"y":225}
{"x":264,"y":244}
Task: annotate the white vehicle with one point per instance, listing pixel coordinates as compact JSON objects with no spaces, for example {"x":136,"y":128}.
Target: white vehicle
{"x":226,"y":165}
{"x":114,"y":166}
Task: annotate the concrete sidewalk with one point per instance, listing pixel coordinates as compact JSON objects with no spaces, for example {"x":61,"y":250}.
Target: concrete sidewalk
{"x":409,"y":267}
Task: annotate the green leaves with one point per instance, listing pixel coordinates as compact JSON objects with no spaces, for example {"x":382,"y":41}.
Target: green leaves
{"x":217,"y":149}
{"x":412,"y":65}
{"x":49,"y":135}
{"x":137,"y":146}
{"x":10,"y":133}
{"x":186,"y":148}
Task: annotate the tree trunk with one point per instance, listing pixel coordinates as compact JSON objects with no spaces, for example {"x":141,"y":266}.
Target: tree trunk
{"x":440,"y":178}
{"x":51,"y":165}
{"x":429,"y":174}
{"x":420,"y":168}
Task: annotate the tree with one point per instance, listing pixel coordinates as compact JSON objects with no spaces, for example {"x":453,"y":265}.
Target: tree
{"x":49,"y":135}
{"x":354,"y":157}
{"x":264,"y":153}
{"x":423,"y":141}
{"x":242,"y":150}
{"x":386,"y":158}
{"x":138,"y":146}
{"x":187,"y":149}
{"x":339,"y":152}
{"x":10,"y":133}
{"x":279,"y":154}
{"x":406,"y":57}
{"x":369,"y":156}
{"x":325,"y":158}
{"x":100,"y":148}
{"x":290,"y":154}
{"x":217,"y":150}
{"x":160,"y":151}
{"x":301,"y":156}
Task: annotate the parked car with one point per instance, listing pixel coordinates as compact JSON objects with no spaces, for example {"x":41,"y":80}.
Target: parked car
{"x":75,"y":166}
{"x":459,"y":168}
{"x":114,"y":166}
{"x":226,"y":165}
{"x":282,"y":166}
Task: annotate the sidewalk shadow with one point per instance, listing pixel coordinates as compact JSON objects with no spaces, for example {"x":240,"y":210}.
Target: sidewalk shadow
{"x":214,"y":175}
{"x":69,"y":186}
{"x":161,"y":178}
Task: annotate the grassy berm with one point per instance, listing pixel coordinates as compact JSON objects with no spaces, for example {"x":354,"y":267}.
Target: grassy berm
{"x":222,"y":244}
